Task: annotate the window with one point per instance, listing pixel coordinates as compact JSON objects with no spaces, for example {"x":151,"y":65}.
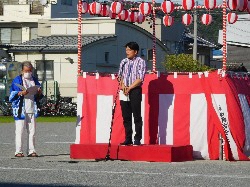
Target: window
{"x":150,"y":54}
{"x":143,"y":52}
{"x":11,"y":35}
{"x":45,"y":70}
{"x":33,"y":33}
{"x":106,"y":57}
{"x":66,"y":2}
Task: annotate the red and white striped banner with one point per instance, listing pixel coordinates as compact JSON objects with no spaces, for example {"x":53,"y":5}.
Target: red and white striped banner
{"x":182,"y":110}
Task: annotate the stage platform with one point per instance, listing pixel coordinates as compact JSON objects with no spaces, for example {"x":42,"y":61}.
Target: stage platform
{"x":150,"y":153}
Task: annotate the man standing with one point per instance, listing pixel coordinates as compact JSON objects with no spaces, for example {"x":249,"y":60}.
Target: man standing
{"x":24,"y":104}
{"x":131,"y":75}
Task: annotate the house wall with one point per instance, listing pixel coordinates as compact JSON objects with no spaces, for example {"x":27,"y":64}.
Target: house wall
{"x":125,"y":33}
{"x":238,"y":54}
{"x":21,"y":13}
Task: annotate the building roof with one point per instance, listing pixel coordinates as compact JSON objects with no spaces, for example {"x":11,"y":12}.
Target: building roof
{"x":56,"y":43}
{"x":200,"y":41}
{"x":238,"y":34}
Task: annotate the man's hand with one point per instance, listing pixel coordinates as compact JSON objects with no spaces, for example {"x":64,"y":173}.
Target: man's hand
{"x":126,"y":91}
{"x":24,"y":92}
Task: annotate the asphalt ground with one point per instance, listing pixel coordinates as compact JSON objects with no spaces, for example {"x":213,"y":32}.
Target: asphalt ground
{"x":54,"y":167}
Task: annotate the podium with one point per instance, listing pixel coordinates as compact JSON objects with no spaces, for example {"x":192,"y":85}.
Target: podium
{"x":149,"y":153}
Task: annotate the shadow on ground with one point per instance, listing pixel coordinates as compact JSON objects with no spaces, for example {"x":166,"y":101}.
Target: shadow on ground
{"x":34,"y":185}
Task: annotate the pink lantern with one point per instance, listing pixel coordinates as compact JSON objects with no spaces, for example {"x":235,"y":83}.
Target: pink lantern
{"x":167,"y":7}
{"x":123,"y":15}
{"x":132,"y":16}
{"x":95,"y":8}
{"x":210,"y":4}
{"x":116,"y":7}
{"x":240,"y":5}
{"x":85,"y":7}
{"x":188,"y":4}
{"x":105,"y":10}
{"x":168,"y":20}
{"x":232,"y":17}
{"x":140,"y":17}
{"x":187,"y":19}
{"x":112,"y":15}
{"x":145,"y":8}
{"x":206,"y":19}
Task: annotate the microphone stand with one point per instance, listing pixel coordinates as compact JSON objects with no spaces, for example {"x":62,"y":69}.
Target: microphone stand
{"x":107,"y":157}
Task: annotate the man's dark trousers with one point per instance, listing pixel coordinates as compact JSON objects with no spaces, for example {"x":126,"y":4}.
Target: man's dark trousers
{"x":129,"y":107}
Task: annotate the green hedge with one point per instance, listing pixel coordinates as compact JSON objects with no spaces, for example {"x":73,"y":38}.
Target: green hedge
{"x":10,"y":119}
{"x":183,"y":63}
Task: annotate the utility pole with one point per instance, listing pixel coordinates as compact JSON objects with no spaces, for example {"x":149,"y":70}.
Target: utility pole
{"x":195,"y":34}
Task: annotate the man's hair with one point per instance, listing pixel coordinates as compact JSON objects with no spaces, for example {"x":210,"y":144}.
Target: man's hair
{"x":133,"y":46}
{"x":27,"y":64}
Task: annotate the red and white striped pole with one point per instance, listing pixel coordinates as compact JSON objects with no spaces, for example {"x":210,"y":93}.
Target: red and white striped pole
{"x":79,"y":40}
{"x":224,"y":30}
{"x":154,"y":37}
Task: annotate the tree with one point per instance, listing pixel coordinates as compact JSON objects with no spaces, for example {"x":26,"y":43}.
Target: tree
{"x":183,"y":63}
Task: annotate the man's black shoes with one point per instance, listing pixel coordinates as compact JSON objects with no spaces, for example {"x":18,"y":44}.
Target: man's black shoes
{"x":127,"y":142}
{"x":137,"y":142}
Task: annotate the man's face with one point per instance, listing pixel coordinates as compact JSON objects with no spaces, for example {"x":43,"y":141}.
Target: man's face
{"x":130,"y":53}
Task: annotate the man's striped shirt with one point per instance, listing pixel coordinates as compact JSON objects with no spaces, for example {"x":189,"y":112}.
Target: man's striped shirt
{"x":133,"y":69}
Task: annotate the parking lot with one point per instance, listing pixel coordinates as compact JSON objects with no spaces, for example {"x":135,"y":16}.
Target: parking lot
{"x":54,"y":167}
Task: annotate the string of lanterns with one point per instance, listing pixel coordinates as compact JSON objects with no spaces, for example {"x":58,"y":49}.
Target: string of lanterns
{"x":116,"y":10}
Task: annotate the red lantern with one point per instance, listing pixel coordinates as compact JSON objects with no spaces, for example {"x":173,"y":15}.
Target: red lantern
{"x":112,"y":15}
{"x":140,"y":17}
{"x":187,"y":19}
{"x":232,"y":17}
{"x":210,"y":4}
{"x":95,"y":8}
{"x":243,"y":5}
{"x":85,"y":7}
{"x":188,"y":4}
{"x":116,"y":7}
{"x":145,"y":8}
{"x":168,"y":20}
{"x":123,"y":15}
{"x":167,"y":7}
{"x":105,"y":10}
{"x":248,"y":7}
{"x":132,"y":16}
{"x":206,"y":19}
{"x":237,"y":4}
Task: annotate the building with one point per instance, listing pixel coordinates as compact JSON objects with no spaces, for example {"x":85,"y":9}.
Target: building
{"x":55,"y":55}
{"x":238,"y":41}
